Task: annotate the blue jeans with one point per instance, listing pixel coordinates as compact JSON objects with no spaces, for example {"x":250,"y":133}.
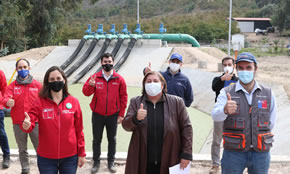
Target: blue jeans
{"x":53,"y":166}
{"x":3,"y":137}
{"x":235,"y":162}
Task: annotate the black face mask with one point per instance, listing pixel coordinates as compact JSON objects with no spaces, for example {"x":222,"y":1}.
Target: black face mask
{"x":107,"y":67}
{"x":56,"y":86}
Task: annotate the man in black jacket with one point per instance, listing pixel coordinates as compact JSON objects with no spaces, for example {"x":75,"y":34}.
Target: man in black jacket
{"x":219,"y":82}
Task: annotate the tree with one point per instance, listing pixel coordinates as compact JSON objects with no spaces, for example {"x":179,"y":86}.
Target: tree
{"x":12,"y":28}
{"x":282,"y":17}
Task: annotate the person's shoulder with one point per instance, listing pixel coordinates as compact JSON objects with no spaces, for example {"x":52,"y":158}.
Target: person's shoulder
{"x":72,"y":98}
{"x":136,"y":98}
{"x":174,"y":98}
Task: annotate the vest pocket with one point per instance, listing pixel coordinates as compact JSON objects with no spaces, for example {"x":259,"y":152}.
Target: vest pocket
{"x":235,"y":123}
{"x":233,"y":141}
{"x":265,"y":141}
{"x":264,"y":121}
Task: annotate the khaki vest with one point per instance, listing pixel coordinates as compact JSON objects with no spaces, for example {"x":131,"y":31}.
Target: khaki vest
{"x":249,"y":128}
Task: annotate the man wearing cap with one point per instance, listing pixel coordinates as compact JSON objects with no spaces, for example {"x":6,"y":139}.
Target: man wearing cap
{"x":248,"y":111}
{"x":219,"y":82}
{"x":177,"y":83}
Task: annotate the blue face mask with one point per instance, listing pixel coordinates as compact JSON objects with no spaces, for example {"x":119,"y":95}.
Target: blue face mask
{"x":246,"y":76}
{"x":23,"y":73}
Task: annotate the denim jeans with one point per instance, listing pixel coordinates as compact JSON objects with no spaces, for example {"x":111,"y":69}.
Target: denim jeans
{"x":111,"y":123}
{"x":235,"y":162}
{"x":3,"y":137}
{"x":53,"y":166}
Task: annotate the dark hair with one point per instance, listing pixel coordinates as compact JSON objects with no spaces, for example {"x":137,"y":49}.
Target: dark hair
{"x":228,"y":58}
{"x":161,"y":78}
{"x":107,"y":55}
{"x":20,"y":60}
{"x":45,"y":92}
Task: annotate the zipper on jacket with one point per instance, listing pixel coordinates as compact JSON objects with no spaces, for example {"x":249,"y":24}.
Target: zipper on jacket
{"x":58,"y":114}
{"x":107,"y":97}
{"x":251,"y":125}
{"x":155,"y":132}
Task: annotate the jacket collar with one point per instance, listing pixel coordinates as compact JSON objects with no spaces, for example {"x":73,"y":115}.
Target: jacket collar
{"x":100,"y":74}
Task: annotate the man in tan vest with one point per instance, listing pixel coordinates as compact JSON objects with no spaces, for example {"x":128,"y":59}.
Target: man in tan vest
{"x":248,"y":111}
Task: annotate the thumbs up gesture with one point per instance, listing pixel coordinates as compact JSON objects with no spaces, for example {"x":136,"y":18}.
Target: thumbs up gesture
{"x":141,"y":113}
{"x":231,"y":106}
{"x":26,"y":123}
{"x":92,"y":81}
{"x":10,"y":103}
{"x":147,"y":68}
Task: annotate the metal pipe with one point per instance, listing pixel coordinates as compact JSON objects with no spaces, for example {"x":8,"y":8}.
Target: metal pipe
{"x":173,"y":37}
{"x":230,"y":29}
{"x":137,"y":11}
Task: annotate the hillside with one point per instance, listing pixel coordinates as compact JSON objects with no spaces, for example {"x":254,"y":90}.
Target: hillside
{"x":151,"y":8}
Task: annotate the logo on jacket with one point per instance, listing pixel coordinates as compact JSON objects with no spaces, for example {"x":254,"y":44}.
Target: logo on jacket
{"x":48,"y":113}
{"x":115,"y":83}
{"x":33,"y":89}
{"x":99,"y":85}
{"x":262,"y":104}
{"x":17,"y":90}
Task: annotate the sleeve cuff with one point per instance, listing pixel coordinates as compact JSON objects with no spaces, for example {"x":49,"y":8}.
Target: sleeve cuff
{"x":186,"y":156}
{"x":135,"y":121}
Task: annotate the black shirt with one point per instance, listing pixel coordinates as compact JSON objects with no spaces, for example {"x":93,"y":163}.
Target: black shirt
{"x":155,"y":130}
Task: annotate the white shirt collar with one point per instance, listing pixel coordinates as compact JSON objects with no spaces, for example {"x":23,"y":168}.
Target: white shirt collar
{"x":104,"y":75}
{"x":240,"y":87}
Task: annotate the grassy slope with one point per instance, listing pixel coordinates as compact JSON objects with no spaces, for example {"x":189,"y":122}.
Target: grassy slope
{"x":201,"y":123}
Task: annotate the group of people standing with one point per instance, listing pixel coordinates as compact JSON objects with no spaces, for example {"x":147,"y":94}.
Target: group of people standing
{"x":158,"y":118}
{"x":53,"y":119}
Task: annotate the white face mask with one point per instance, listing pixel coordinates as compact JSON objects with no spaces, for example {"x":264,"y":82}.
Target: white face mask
{"x":228,"y":69}
{"x":174,"y":67}
{"x":153,"y":89}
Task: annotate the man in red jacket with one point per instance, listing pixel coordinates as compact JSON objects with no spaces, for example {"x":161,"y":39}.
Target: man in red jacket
{"x":3,"y":137}
{"x":20,"y":96}
{"x":108,"y":105}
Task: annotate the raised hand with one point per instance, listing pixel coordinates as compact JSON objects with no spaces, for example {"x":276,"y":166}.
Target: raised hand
{"x":231,"y":106}
{"x":227,"y":76}
{"x":26,"y":123}
{"x":92,"y":81}
{"x":10,"y":103}
{"x":148,"y":68}
{"x":141,"y":113}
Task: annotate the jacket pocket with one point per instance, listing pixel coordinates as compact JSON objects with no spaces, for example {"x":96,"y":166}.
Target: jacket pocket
{"x":265,"y":141}
{"x":264,"y":121}
{"x":233,"y":141}
{"x":234,"y":123}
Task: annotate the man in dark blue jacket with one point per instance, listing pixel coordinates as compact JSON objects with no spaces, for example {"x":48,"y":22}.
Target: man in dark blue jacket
{"x":177,"y":83}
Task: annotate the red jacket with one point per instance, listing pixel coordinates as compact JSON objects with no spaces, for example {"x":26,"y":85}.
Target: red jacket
{"x":3,"y":86}
{"x":24,"y":97}
{"x":60,"y":128}
{"x":109,"y":97}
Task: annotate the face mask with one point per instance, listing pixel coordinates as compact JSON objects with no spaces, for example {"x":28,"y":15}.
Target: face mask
{"x":23,"y":73}
{"x":174,"y":67}
{"x":246,"y":76}
{"x":56,"y":86}
{"x":228,"y":69}
{"x":153,"y":89}
{"x":107,"y":67}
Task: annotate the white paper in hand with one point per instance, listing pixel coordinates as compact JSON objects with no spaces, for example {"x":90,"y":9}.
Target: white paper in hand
{"x":176,"y":169}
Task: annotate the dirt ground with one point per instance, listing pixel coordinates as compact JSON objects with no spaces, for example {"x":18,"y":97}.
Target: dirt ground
{"x":197,"y":167}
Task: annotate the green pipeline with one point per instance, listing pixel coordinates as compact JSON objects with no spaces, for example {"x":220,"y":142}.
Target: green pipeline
{"x":173,"y":37}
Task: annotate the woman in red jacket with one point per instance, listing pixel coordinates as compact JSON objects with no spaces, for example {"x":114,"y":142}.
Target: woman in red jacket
{"x":61,"y":139}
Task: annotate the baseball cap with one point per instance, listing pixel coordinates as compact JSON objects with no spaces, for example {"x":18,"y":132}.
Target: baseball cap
{"x":176,"y":56}
{"x":246,"y":56}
